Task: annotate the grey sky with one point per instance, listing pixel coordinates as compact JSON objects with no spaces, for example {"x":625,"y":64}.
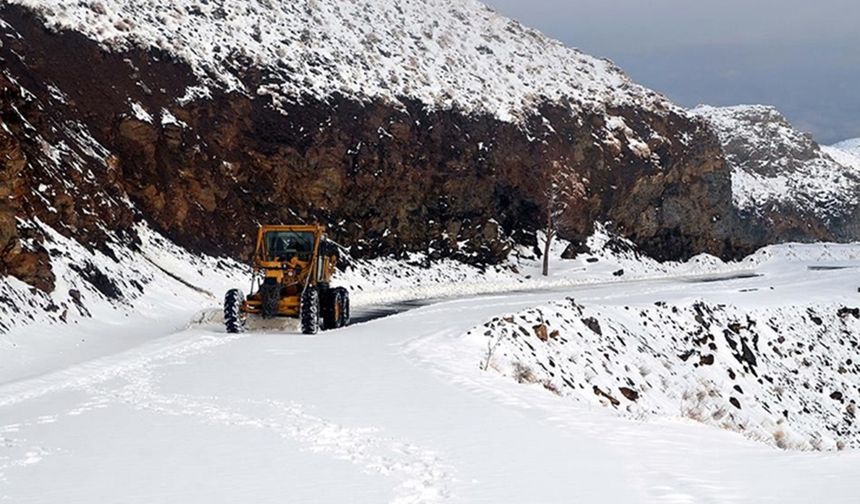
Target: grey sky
{"x":802,"y":56}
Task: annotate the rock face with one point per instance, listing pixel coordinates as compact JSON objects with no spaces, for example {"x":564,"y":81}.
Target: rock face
{"x":783,"y":183}
{"x":20,"y":253}
{"x":206,"y":119}
{"x":105,"y":136}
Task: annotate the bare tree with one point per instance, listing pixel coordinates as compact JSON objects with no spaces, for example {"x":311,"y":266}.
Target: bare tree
{"x":561,"y":188}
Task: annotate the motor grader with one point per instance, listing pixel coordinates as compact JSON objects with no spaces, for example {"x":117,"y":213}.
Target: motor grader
{"x":292,"y":270}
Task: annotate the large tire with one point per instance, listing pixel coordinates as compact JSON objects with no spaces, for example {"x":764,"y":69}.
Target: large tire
{"x":343,"y":299}
{"x":234,"y":320}
{"x":331,"y":309}
{"x":309,"y":312}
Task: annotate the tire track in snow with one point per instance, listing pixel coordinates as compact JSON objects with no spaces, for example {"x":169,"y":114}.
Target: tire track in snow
{"x":85,"y":376}
{"x":425,"y":477}
{"x":129,"y":379}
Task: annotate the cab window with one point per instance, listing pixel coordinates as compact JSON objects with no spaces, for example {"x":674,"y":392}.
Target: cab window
{"x":283,"y":246}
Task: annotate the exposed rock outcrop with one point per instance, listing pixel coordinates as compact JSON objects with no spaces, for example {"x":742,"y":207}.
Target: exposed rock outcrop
{"x":117,"y":122}
{"x":784,"y":184}
{"x":110,"y":135}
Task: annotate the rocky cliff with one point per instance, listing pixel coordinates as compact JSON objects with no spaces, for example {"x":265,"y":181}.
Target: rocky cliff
{"x":784,"y":184}
{"x":430,"y":126}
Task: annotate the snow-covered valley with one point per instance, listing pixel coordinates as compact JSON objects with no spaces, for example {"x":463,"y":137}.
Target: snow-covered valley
{"x":400,"y":409}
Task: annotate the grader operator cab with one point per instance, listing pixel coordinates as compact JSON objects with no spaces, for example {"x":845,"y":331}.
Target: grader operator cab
{"x":292,"y":269}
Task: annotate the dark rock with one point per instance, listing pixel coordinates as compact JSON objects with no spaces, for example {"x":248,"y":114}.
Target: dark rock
{"x":541,"y":332}
{"x":686,"y":355}
{"x":629,"y":393}
{"x":598,"y":392}
{"x":593,"y":324}
{"x":706,"y":360}
{"x":574,"y":249}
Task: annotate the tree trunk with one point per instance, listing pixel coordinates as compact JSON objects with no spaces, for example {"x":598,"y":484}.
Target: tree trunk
{"x":546,"y":254}
{"x":550,"y":234}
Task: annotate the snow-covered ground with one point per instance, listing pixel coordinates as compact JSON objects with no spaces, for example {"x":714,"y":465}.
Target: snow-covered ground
{"x":102,"y":305}
{"x":400,"y":410}
{"x":763,"y":359}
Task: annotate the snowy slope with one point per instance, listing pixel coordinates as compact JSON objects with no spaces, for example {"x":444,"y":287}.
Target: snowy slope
{"x":444,"y":53}
{"x":775,"y":363}
{"x":789,"y":364}
{"x":397,"y":410}
{"x":851,"y":146}
{"x":846,"y":153}
{"x":773,"y":163}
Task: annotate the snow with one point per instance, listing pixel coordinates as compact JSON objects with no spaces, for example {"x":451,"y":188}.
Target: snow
{"x":846,"y":153}
{"x":443,"y":53}
{"x":163,"y":286}
{"x":790,"y":368}
{"x":851,"y":146}
{"x":399,"y":410}
{"x":140,"y":113}
{"x":168,"y":119}
{"x":773,"y":163}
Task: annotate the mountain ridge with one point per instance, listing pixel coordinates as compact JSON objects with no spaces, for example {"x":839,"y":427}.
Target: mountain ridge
{"x":108,"y":131}
{"x":469,"y":57}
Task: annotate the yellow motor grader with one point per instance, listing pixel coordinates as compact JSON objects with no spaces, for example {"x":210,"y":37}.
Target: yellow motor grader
{"x":292,"y":268}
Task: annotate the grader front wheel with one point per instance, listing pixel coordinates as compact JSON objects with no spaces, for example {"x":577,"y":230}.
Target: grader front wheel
{"x":234,"y":319}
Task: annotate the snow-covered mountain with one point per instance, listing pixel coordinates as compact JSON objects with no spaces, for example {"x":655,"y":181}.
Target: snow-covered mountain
{"x":407,"y":127}
{"x":851,"y":146}
{"x":779,"y":171}
{"x":846,"y":152}
{"x":446,"y":54}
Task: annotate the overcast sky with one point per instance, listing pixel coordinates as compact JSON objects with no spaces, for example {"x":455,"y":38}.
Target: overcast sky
{"x":801,"y":55}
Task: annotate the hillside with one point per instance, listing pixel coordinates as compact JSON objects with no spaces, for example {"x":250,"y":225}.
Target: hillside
{"x":851,"y":146}
{"x":188,"y":135}
{"x":195,"y":121}
{"x":846,"y":153}
{"x":468,"y":58}
{"x":780,"y":171}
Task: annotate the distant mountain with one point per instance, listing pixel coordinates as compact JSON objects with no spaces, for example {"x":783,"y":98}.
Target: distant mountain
{"x":781,"y":176}
{"x":852,"y":146}
{"x":846,"y":152}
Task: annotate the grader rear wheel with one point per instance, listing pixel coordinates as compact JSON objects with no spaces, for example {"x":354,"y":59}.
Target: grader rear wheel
{"x":309,"y":312}
{"x":344,"y":307}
